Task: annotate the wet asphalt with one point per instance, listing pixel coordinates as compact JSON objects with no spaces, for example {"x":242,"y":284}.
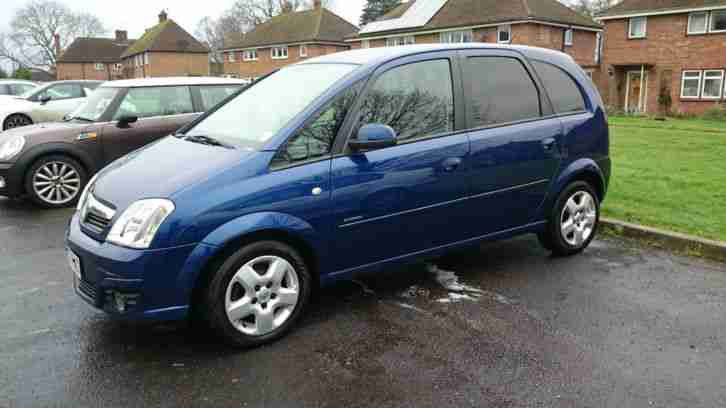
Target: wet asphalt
{"x":501,"y":325}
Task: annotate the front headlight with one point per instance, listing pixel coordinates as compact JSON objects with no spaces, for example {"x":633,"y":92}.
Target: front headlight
{"x":11,"y":147}
{"x":84,"y":194}
{"x":137,"y":226}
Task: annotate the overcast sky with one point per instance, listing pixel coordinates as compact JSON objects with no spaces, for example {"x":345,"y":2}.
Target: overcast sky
{"x":137,"y":15}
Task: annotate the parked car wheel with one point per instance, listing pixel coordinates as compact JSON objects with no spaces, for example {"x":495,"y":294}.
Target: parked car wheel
{"x":258,"y":293}
{"x":574,"y":220}
{"x":55,"y":181}
{"x":16,"y":120}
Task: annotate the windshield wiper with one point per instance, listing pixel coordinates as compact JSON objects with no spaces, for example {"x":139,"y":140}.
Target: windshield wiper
{"x":81,"y":118}
{"x":205,"y":140}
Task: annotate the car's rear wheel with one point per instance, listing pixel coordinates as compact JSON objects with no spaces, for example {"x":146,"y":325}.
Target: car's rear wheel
{"x":574,"y":220}
{"x":16,"y":120}
{"x":258,"y":293}
{"x":55,"y":181}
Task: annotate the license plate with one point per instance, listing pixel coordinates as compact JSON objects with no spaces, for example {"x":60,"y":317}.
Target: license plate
{"x":75,"y":263}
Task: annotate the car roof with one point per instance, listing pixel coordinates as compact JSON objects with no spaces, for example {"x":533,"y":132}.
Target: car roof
{"x":169,"y":81}
{"x":17,"y":81}
{"x":376,"y":56}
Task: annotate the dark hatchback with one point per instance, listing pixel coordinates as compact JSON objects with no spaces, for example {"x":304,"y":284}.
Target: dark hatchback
{"x":52,"y":162}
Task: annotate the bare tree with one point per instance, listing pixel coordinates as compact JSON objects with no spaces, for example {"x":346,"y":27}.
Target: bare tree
{"x":35,"y":26}
{"x":254,"y":12}
{"x":590,"y":7}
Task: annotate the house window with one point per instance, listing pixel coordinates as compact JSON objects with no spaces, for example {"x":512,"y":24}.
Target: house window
{"x":230,"y":56}
{"x":146,"y":58}
{"x":118,"y":67}
{"x":365,"y":44}
{"x":279,"y":53}
{"x":712,"y":84}
{"x":504,"y":34}
{"x":99,"y":66}
{"x":249,"y":55}
{"x":303,"y":50}
{"x":568,"y":37}
{"x":397,"y":41}
{"x":718,"y":21}
{"x":450,"y":37}
{"x":691,"y":84}
{"x":697,"y":23}
{"x":637,"y":27}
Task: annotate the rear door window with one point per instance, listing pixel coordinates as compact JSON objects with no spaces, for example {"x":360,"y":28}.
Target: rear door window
{"x":562,"y":89}
{"x":500,"y":91}
{"x":62,"y":91}
{"x":416,"y":100}
{"x":4,"y":90}
{"x":156,"y":101}
{"x":213,"y":95}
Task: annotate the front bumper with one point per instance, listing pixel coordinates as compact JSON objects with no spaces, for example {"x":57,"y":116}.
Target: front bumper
{"x":150,"y":281}
{"x":13,"y":182}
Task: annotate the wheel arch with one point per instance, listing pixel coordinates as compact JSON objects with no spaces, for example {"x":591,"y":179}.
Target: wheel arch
{"x":51,"y":149}
{"x":8,"y":116}
{"x":580,"y":170}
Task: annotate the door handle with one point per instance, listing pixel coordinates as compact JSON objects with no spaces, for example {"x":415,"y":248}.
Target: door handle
{"x":549,"y":144}
{"x":451,"y":163}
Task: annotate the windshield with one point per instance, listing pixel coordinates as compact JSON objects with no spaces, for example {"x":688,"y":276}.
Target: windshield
{"x":256,"y":115}
{"x":95,"y":105}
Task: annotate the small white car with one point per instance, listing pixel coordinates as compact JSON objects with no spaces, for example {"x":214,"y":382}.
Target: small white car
{"x":15,"y":87}
{"x":46,"y":103}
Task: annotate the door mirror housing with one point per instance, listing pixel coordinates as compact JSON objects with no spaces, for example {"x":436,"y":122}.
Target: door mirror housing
{"x":45,"y":99}
{"x":126,"y":120}
{"x":374,"y":136}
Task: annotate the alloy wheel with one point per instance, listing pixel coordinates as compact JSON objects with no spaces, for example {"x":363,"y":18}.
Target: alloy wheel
{"x":56,"y":183}
{"x":578,"y":218}
{"x":262,"y":295}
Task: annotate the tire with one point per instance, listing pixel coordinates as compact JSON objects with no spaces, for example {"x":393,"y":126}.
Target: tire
{"x":574,"y":220}
{"x":262,"y":307}
{"x":64,"y":176}
{"x":16,"y":120}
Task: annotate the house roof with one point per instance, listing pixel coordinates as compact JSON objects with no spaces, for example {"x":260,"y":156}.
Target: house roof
{"x":85,"y":49}
{"x":461,"y":13}
{"x":303,"y":26}
{"x":166,"y":36}
{"x":629,"y":7}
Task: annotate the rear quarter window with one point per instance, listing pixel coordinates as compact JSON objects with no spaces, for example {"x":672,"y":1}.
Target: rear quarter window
{"x":564,"y":92}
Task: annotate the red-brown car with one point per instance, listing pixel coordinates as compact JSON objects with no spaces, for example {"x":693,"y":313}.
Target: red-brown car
{"x":52,"y":162}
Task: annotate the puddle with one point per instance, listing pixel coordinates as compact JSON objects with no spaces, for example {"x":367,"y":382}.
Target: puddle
{"x":459,"y":291}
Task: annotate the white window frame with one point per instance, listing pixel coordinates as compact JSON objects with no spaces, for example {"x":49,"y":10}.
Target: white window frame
{"x":706,"y":27}
{"x":683,"y":83}
{"x":400,"y":40}
{"x":711,"y":21}
{"x":598,"y":47}
{"x":249,"y":55}
{"x":447,"y":37}
{"x":303,"y":50}
{"x":146,"y":58}
{"x":365,"y":44}
{"x":230,"y":57}
{"x":703,"y":83}
{"x":630,"y":27}
{"x":280,"y":53}
{"x":569,"y":37}
{"x":504,"y":28}
{"x":99,"y":66}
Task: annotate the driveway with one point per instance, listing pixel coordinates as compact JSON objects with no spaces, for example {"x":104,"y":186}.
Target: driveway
{"x":502,"y":325}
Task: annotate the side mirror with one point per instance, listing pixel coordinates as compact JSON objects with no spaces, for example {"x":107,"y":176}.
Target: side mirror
{"x":373,"y":136}
{"x":126,"y":120}
{"x":45,"y":99}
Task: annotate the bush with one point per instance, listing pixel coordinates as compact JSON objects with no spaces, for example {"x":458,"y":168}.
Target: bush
{"x":716,"y":112}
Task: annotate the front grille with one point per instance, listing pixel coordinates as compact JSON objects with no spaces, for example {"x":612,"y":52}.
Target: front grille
{"x":96,"y":221}
{"x":87,"y":289}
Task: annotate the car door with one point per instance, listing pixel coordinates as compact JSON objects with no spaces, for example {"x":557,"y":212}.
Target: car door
{"x":64,"y":98}
{"x":515,"y":140}
{"x":160,"y":111}
{"x":407,"y":198}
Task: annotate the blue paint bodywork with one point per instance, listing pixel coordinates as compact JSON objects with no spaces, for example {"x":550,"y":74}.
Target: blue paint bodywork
{"x":377,"y":209}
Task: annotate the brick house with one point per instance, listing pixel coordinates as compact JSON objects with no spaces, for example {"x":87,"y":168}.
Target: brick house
{"x":665,"y":53}
{"x":541,"y":23}
{"x":166,"y":50}
{"x":93,"y":58}
{"x":286,"y":39}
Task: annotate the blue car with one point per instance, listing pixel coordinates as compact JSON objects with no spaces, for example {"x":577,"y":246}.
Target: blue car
{"x":340,"y":165}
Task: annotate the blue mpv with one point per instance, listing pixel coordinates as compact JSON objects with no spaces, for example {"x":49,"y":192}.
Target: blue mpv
{"x":340,"y":165}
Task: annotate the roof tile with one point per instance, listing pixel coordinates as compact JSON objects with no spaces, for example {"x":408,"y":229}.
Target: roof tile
{"x":644,"y":6}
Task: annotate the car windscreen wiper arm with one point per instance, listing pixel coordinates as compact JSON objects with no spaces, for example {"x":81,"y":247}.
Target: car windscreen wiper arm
{"x":206,"y":140}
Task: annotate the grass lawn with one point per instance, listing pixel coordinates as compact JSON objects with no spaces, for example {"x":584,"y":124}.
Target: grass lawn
{"x":669,"y":174}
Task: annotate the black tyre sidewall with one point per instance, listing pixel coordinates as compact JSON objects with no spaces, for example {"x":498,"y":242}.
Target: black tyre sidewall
{"x":58,"y":158}
{"x":217,"y":289}
{"x":554,"y":234}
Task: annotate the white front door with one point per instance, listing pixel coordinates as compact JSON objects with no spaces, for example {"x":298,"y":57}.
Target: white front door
{"x":636,"y":92}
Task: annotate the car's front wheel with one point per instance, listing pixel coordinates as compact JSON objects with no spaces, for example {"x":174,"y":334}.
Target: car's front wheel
{"x":55,"y":181}
{"x":574,"y":220}
{"x":258,"y":293}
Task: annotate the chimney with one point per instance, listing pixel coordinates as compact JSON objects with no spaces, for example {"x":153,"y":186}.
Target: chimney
{"x":163,"y":16}
{"x":56,"y":45}
{"x":122,"y":36}
{"x":317,"y":4}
